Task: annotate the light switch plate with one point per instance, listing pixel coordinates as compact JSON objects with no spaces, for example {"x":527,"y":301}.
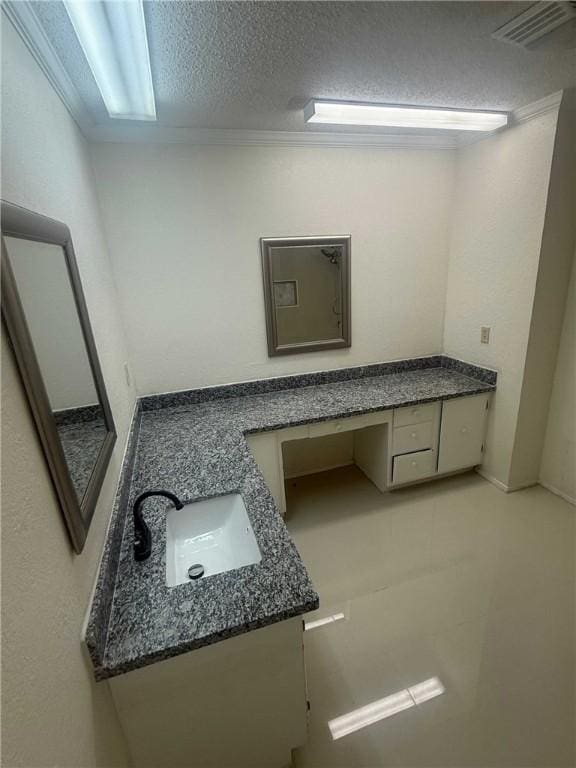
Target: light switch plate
{"x":484,"y":335}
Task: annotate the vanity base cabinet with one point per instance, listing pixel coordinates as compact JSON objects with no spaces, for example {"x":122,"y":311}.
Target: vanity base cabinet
{"x":240,"y":702}
{"x":462,"y":433}
{"x":393,"y":448}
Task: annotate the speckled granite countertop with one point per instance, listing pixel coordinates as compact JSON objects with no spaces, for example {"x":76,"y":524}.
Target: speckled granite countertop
{"x":197,"y":450}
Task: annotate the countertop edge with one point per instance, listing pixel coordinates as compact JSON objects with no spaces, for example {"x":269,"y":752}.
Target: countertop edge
{"x":170,"y":652}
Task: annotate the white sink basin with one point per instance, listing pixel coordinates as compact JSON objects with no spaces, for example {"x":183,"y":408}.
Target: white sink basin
{"x":214,"y":533}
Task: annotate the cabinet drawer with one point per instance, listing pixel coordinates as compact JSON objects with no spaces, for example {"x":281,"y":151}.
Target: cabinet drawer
{"x":344,"y":425}
{"x":415,"y":437}
{"x":413,"y":466}
{"x":292,"y":433}
{"x":414,"y":414}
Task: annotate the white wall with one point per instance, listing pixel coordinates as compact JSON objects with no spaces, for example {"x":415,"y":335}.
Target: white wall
{"x":497,"y":224}
{"x":556,"y":257}
{"x":53,"y":713}
{"x":184,"y":224}
{"x":558,"y":468}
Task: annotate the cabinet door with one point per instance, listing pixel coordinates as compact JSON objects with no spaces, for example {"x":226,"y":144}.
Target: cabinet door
{"x":462,"y":432}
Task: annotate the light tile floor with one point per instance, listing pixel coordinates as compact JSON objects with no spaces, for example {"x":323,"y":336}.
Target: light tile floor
{"x":452,"y":579}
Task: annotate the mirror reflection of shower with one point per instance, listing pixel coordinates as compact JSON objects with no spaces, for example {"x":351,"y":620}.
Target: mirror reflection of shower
{"x":333,"y":256}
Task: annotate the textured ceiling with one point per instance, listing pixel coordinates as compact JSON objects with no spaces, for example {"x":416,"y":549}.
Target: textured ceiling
{"x":254,"y":64}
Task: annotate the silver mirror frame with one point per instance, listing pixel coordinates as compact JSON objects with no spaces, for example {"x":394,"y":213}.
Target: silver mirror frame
{"x":266,"y":246}
{"x":24,"y":224}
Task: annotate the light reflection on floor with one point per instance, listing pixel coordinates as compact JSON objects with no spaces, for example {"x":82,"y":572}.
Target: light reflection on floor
{"x":451,"y":581}
{"x":386,"y":707}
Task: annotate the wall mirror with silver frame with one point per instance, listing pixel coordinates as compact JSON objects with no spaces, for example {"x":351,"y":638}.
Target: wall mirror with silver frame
{"x":45,"y":315}
{"x":306,"y":293}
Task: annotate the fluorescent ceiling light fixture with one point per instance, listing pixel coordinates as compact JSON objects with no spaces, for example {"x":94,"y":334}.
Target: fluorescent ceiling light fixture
{"x":383,"y":708}
{"x":383,"y":115}
{"x":112,"y":34}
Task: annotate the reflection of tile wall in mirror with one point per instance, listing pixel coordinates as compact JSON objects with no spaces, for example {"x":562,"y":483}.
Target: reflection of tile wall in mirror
{"x":47,"y":299}
{"x":286,"y":293}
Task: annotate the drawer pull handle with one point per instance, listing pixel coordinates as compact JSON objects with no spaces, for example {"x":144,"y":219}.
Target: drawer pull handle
{"x":414,"y":435}
{"x":464,"y":430}
{"x":416,"y":411}
{"x":414,"y":463}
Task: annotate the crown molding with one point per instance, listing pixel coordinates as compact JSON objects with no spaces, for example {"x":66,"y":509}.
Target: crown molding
{"x":26,"y":23}
{"x":536,"y":108}
{"x":246,"y":138}
{"x":518,"y":116}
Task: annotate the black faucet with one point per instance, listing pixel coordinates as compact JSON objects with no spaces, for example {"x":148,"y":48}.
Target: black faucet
{"x":142,"y":535}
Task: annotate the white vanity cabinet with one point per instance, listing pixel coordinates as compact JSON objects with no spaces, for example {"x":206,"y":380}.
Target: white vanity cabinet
{"x":393,"y":448}
{"x":240,"y":702}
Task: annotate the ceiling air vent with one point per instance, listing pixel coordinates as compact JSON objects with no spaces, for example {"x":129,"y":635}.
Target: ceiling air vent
{"x":536,"y":22}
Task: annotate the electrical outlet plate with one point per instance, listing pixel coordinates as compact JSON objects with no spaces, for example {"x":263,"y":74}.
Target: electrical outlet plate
{"x":484,"y":335}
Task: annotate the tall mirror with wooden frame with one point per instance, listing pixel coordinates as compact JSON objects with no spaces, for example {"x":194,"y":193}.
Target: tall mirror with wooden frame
{"x":45,"y":315}
{"x":306,"y":293}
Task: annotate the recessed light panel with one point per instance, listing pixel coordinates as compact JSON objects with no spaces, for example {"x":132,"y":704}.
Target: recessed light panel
{"x":113,"y":37}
